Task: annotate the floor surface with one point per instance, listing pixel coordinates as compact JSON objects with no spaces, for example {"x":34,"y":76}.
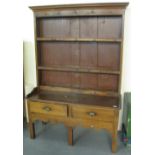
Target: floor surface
{"x":51,"y":139}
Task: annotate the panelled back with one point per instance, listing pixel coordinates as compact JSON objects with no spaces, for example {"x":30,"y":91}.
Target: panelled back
{"x":74,"y":44}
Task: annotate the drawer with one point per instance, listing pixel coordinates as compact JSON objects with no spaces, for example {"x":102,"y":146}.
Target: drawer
{"x":92,"y":113}
{"x":48,"y":108}
{"x":97,"y":124}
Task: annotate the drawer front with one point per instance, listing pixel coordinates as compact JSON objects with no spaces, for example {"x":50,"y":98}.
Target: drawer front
{"x":92,"y":113}
{"x":48,"y":108}
{"x":97,"y":124}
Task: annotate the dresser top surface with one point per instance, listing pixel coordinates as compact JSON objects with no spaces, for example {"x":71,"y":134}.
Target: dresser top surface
{"x":76,"y":98}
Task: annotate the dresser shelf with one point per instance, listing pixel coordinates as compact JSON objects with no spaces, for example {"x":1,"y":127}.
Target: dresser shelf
{"x":80,"y":70}
{"x":79,"y":39}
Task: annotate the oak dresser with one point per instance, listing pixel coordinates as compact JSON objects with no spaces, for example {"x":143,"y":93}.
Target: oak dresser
{"x":79,"y":65}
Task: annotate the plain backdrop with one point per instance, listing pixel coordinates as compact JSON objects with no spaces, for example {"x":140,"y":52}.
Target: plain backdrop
{"x":138,"y":71}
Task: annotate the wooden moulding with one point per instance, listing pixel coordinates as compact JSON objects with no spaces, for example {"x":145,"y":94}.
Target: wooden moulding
{"x":78,"y":6}
{"x":108,"y":9}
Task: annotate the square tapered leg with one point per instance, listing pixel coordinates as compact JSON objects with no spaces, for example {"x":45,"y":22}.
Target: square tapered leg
{"x":70,"y":135}
{"x":32,"y":130}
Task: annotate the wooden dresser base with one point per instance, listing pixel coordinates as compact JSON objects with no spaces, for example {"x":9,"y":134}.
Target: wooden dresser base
{"x":71,"y":115}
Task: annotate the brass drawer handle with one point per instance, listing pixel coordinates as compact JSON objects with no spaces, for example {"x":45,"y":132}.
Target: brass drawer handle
{"x":91,"y":114}
{"x":47,"y":109}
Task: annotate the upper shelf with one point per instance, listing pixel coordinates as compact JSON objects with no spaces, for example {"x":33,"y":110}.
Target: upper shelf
{"x":78,"y":39}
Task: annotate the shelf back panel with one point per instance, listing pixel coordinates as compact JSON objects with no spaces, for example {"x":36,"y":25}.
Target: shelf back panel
{"x":103,"y":82}
{"x":84,"y":55}
{"x":80,"y":27}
